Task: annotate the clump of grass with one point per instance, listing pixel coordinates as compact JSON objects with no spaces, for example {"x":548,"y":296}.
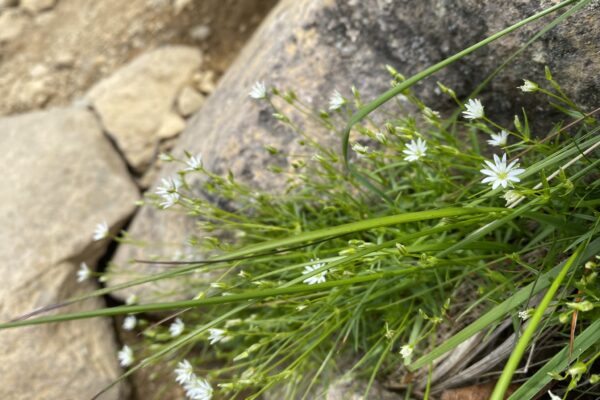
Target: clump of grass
{"x":433,"y":231}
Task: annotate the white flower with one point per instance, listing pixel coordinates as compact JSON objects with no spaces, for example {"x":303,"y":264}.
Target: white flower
{"x":511,"y":196}
{"x":474,"y":109}
{"x":129,"y":322}
{"x":216,"y":335}
{"x":194,"y":163}
{"x":336,"y":101}
{"x":101,"y":231}
{"x":125,"y":356}
{"x":198,"y":389}
{"x":525,"y":314}
{"x":165,"y":157}
{"x":318,"y":278}
{"x":84,"y":272}
{"x":429,"y":113}
{"x":184,"y":372}
{"x":258,"y":91}
{"x":169,"y":191}
{"x":415,"y":150}
{"x":169,"y":200}
{"x":176,"y":328}
{"x":406,"y":350}
{"x":529,"y":86}
{"x":499,"y":139}
{"x":500,"y":174}
{"x":360,"y":149}
{"x":553,"y":396}
{"x":131,"y":299}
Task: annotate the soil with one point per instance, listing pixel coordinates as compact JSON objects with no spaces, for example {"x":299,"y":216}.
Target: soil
{"x":62,"y":51}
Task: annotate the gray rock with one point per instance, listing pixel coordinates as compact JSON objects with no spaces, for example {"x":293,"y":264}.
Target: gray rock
{"x":12,"y":23}
{"x":317,"y":46}
{"x":135,"y":103}
{"x":60,"y":178}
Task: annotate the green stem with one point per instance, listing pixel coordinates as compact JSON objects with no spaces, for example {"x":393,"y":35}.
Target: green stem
{"x":391,"y":93}
{"x":521,"y":347}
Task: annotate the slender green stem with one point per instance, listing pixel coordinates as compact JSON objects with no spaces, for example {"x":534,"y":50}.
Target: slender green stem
{"x":521,"y":347}
{"x":391,"y":93}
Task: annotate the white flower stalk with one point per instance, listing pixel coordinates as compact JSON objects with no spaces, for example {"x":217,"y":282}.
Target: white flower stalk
{"x":84,"y":272}
{"x":184,"y":372}
{"x":198,"y":389}
{"x":176,"y":328}
{"x":415,"y":150}
{"x":216,"y":335}
{"x":499,"y":139}
{"x":101,"y":231}
{"x":169,"y":200}
{"x":528,"y":86}
{"x":129,"y":323}
{"x":125,"y":356}
{"x":258,"y":91}
{"x":553,"y":396}
{"x":318,"y":278}
{"x":406,"y":351}
{"x":474,"y":109}
{"x":194,"y":163}
{"x":500,"y":174}
{"x":336,"y":101}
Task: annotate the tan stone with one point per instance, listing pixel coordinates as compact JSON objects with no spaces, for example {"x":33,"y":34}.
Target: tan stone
{"x":189,"y":101}
{"x":12,"y":23}
{"x":36,"y":6}
{"x":136,"y":101}
{"x":60,"y":178}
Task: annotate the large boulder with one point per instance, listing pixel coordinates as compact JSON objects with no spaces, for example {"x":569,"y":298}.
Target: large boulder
{"x":136,"y":104}
{"x":60,"y":177}
{"x":315,"y":47}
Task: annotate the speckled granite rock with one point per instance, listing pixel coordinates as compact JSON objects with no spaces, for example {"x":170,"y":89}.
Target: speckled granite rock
{"x":60,"y":177}
{"x":314,"y":47}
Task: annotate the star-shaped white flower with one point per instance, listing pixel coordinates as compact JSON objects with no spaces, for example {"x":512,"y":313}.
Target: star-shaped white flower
{"x":83,"y":273}
{"x":360,"y":149}
{"x":406,"y":350}
{"x":194,"y":162}
{"x":198,"y":389}
{"x":500,"y":174}
{"x":499,"y":139}
{"x":474,"y":109}
{"x":216,"y":335}
{"x":528,"y":86}
{"x":525,"y":314}
{"x":184,"y":372}
{"x":318,"y":278}
{"x":169,"y":192}
{"x":336,"y":101}
{"x":258,"y":91}
{"x":101,"y":231}
{"x":129,"y":322}
{"x":415,"y":150}
{"x":125,"y":356}
{"x":176,"y":328}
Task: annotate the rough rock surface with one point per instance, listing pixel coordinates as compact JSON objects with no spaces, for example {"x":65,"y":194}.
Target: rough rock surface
{"x":136,"y":103}
{"x":36,"y":6}
{"x":189,"y":101}
{"x":325,"y":45}
{"x":12,"y":23}
{"x":60,"y":178}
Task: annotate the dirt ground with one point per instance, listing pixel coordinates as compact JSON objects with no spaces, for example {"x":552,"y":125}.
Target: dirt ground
{"x":50,"y":57}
